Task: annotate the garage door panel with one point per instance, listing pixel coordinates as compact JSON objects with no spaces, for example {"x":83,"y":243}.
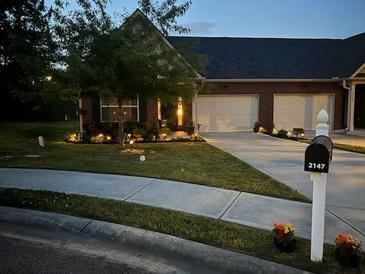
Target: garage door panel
{"x":227,"y":113}
{"x":300,"y":111}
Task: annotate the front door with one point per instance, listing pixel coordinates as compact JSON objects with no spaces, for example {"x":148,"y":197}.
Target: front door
{"x":359,"y":121}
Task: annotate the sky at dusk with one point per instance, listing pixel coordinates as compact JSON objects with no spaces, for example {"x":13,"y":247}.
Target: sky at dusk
{"x":268,"y":18}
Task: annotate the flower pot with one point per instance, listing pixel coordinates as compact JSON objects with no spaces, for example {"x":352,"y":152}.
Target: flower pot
{"x":286,"y":246}
{"x":347,"y":257}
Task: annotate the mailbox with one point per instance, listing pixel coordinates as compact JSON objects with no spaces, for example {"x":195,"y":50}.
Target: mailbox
{"x":318,"y":154}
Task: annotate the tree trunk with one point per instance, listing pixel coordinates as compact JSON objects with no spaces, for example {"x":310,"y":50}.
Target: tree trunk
{"x":120,"y":125}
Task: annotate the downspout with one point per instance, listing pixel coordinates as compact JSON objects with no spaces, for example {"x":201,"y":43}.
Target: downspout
{"x":348,"y":98}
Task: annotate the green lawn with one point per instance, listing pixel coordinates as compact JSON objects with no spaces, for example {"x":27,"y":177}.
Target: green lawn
{"x":230,"y":236}
{"x":196,"y":162}
{"x":351,"y":148}
{"x":357,"y":149}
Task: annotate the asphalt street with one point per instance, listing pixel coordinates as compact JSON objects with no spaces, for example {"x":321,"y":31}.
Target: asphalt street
{"x":19,"y":256}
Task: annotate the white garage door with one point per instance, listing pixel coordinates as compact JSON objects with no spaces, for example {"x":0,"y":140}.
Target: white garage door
{"x":300,"y":111}
{"x":227,"y":113}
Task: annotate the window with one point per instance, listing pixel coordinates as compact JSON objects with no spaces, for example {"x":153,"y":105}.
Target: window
{"x":109,"y":110}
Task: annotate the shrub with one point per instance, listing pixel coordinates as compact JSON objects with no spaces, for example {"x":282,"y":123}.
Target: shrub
{"x":282,"y":133}
{"x":152,"y":128}
{"x":164,"y":132}
{"x":298,"y":132}
{"x":257,"y":126}
{"x":190,"y":128}
{"x":139,"y":132}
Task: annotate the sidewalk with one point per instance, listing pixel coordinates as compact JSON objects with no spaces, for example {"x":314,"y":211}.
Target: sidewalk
{"x":228,"y":205}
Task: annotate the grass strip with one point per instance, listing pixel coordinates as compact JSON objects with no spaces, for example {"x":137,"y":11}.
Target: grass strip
{"x":357,"y":149}
{"x":251,"y":241}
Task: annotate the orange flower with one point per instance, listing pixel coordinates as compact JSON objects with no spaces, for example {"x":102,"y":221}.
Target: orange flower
{"x":278,"y":226}
{"x":340,"y":239}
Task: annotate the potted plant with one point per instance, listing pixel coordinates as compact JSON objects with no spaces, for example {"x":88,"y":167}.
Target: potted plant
{"x":347,"y":251}
{"x":284,"y":237}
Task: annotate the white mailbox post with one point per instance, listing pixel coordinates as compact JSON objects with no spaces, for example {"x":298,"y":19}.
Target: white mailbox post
{"x":317,"y":158}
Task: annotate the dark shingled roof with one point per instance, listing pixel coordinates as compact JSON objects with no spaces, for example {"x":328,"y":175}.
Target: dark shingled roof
{"x":279,"y":58}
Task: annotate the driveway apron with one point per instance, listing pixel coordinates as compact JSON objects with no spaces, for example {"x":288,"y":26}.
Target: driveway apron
{"x":284,"y":161}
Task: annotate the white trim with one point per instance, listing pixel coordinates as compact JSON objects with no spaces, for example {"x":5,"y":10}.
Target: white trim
{"x":358,"y":70}
{"x":228,"y":94}
{"x":123,"y":106}
{"x":351,"y":107}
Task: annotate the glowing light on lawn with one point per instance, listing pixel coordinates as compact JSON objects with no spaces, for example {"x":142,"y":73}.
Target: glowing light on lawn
{"x":108,"y":137}
{"x":142,"y":158}
{"x":131,"y":142}
{"x":49,"y":78}
{"x":72,"y":138}
{"x":302,"y":135}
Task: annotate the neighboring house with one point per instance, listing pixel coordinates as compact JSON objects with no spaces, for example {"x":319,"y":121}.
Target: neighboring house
{"x":273,"y":81}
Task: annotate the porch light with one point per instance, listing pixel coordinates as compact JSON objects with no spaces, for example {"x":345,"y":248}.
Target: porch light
{"x":179,"y":112}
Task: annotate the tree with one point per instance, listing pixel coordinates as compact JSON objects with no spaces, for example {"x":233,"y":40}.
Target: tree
{"x":26,"y":48}
{"x":125,"y":63}
{"x":164,"y":14}
{"x":35,"y":41}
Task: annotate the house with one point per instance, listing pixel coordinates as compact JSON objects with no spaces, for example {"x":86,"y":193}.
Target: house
{"x":276,"y":82}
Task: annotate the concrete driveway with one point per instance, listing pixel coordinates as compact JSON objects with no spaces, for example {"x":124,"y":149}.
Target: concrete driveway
{"x":284,"y":161}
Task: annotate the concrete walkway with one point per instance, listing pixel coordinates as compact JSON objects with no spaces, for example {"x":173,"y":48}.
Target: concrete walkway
{"x":284,"y":161}
{"x":228,"y":205}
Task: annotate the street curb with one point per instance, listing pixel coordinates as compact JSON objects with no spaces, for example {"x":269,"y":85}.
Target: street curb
{"x":154,"y":251}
